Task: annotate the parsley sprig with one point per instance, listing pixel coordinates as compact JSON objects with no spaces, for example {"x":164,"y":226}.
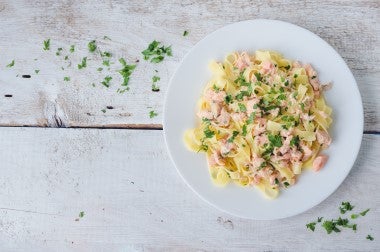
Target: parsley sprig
{"x":156,"y":53}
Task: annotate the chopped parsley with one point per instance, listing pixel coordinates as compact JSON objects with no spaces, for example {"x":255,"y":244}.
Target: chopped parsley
{"x":106,"y":54}
{"x":295,"y":141}
{"x":251,"y":118}
{"x":66,"y":78}
{"x":295,"y":75}
{"x":66,"y":57}
{"x":258,"y":76}
{"x":286,"y":184}
{"x":208,"y":133}
{"x":103,"y":110}
{"x":106,"y":81}
{"x":92,"y":46}
{"x":369,"y":237}
{"x":156,"y":53}
{"x":11,"y":64}
{"x":72,"y":48}
{"x":242,"y":107}
{"x":155,"y":87}
{"x":364,"y":212}
{"x":330,"y":226}
{"x":313,"y":77}
{"x":152,"y":114}
{"x":228,"y":99}
{"x":311,"y":226}
{"x":83,"y":64}
{"x":106,"y":38}
{"x":345,"y":206}
{"x":185,"y":33}
{"x":126,"y":71}
{"x":320,"y":219}
{"x":36,"y":71}
{"x":244,"y":130}
{"x":275,"y":140}
{"x":81,"y":214}
{"x":100,"y":69}
{"x":287,"y":67}
{"x":46,"y":45}
{"x":234,"y":135}
{"x":106,"y":63}
{"x":59,"y":50}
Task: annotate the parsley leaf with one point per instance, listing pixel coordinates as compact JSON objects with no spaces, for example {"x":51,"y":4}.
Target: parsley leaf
{"x":232,"y":138}
{"x":92,"y":46}
{"x":106,"y":81}
{"x":320,"y":219}
{"x":251,"y":118}
{"x":242,"y":107}
{"x":72,"y":48}
{"x":295,"y":141}
{"x":330,"y":226}
{"x":311,"y":226}
{"x":81,"y":214}
{"x":228,"y":99}
{"x":155,"y":78}
{"x":364,"y":212}
{"x":106,"y":54}
{"x":275,"y":140}
{"x":11,"y":64}
{"x":185,"y":33}
{"x":369,"y":237}
{"x":155,"y":52}
{"x":46,"y":45}
{"x":208,"y":133}
{"x":244,"y":130}
{"x":126,"y":71}
{"x":83,"y":64}
{"x":36,"y":71}
{"x":345,"y":206}
{"x":66,"y":78}
{"x":152,"y":114}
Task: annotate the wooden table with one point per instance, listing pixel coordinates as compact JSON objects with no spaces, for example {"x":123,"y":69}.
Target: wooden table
{"x":63,"y":151}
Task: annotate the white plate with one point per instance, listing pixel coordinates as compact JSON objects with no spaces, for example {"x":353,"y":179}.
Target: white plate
{"x":294,"y":43}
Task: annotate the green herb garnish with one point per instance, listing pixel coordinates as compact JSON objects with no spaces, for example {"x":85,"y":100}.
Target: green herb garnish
{"x":345,"y":206}
{"x":228,"y":99}
{"x":311,"y":226}
{"x":244,"y":130}
{"x":46,"y":45}
{"x":72,"y":48}
{"x":83,"y":64}
{"x":152,"y":114}
{"x":92,"y":46}
{"x":275,"y":140}
{"x":36,"y":71}
{"x":232,"y":138}
{"x":11,"y":64}
{"x":369,"y":237}
{"x":126,"y":71}
{"x":242,"y":107}
{"x":156,"y":53}
{"x":106,"y":54}
{"x":81,"y":214}
{"x":208,"y":133}
{"x":66,"y":78}
{"x":185,"y":33}
{"x":106,"y":81}
{"x":364,"y":212}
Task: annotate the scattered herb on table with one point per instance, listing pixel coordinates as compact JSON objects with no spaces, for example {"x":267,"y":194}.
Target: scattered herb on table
{"x":126,"y":71}
{"x":156,"y":53}
{"x":106,"y":54}
{"x":46,"y":45}
{"x":100,"y":69}
{"x":346,"y":206}
{"x":11,"y":64}
{"x":104,"y":110}
{"x":106,"y":63}
{"x":311,"y":226}
{"x":155,"y":87}
{"x":66,"y":57}
{"x":106,"y":38}
{"x":36,"y":71}
{"x":106,"y":81}
{"x":152,"y":114}
{"x":66,"y":78}
{"x":72,"y":48}
{"x":185,"y":33}
{"x":92,"y":46}
{"x":83,"y":64}
{"x":59,"y":50}
{"x":369,"y":237}
{"x":364,"y":212}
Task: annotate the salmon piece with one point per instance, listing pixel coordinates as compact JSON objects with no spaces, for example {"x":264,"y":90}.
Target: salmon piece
{"x":307,"y":152}
{"x":260,"y":127}
{"x":216,"y":108}
{"x":226,"y":147}
{"x":224,"y":118}
{"x":319,"y":162}
{"x":215,"y":96}
{"x":261,"y":139}
{"x":205,"y":114}
{"x":250,"y":104}
{"x":307,"y":117}
{"x":238,"y":117}
{"x":323,"y":137}
{"x":267,"y":67}
{"x":242,"y":61}
{"x":296,"y":64}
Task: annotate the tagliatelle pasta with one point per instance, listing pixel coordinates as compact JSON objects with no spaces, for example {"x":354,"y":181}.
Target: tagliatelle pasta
{"x":263,"y":119}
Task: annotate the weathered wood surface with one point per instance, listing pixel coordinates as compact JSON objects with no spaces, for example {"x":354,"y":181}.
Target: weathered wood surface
{"x":351,"y":27}
{"x":134,"y":200}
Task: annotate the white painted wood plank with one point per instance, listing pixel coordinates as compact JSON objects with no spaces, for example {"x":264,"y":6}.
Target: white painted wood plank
{"x":134,"y":200}
{"x":351,"y":27}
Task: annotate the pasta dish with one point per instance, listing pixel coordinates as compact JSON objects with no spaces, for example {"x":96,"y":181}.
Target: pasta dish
{"x":262,"y":120}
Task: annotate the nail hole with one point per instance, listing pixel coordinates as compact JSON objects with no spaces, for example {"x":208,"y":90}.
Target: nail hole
{"x":109,"y":107}
{"x":26,"y":76}
{"x":8,"y":95}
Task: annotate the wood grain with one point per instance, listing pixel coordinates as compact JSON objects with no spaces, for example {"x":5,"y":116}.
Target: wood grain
{"x":351,"y":27}
{"x":134,"y":200}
